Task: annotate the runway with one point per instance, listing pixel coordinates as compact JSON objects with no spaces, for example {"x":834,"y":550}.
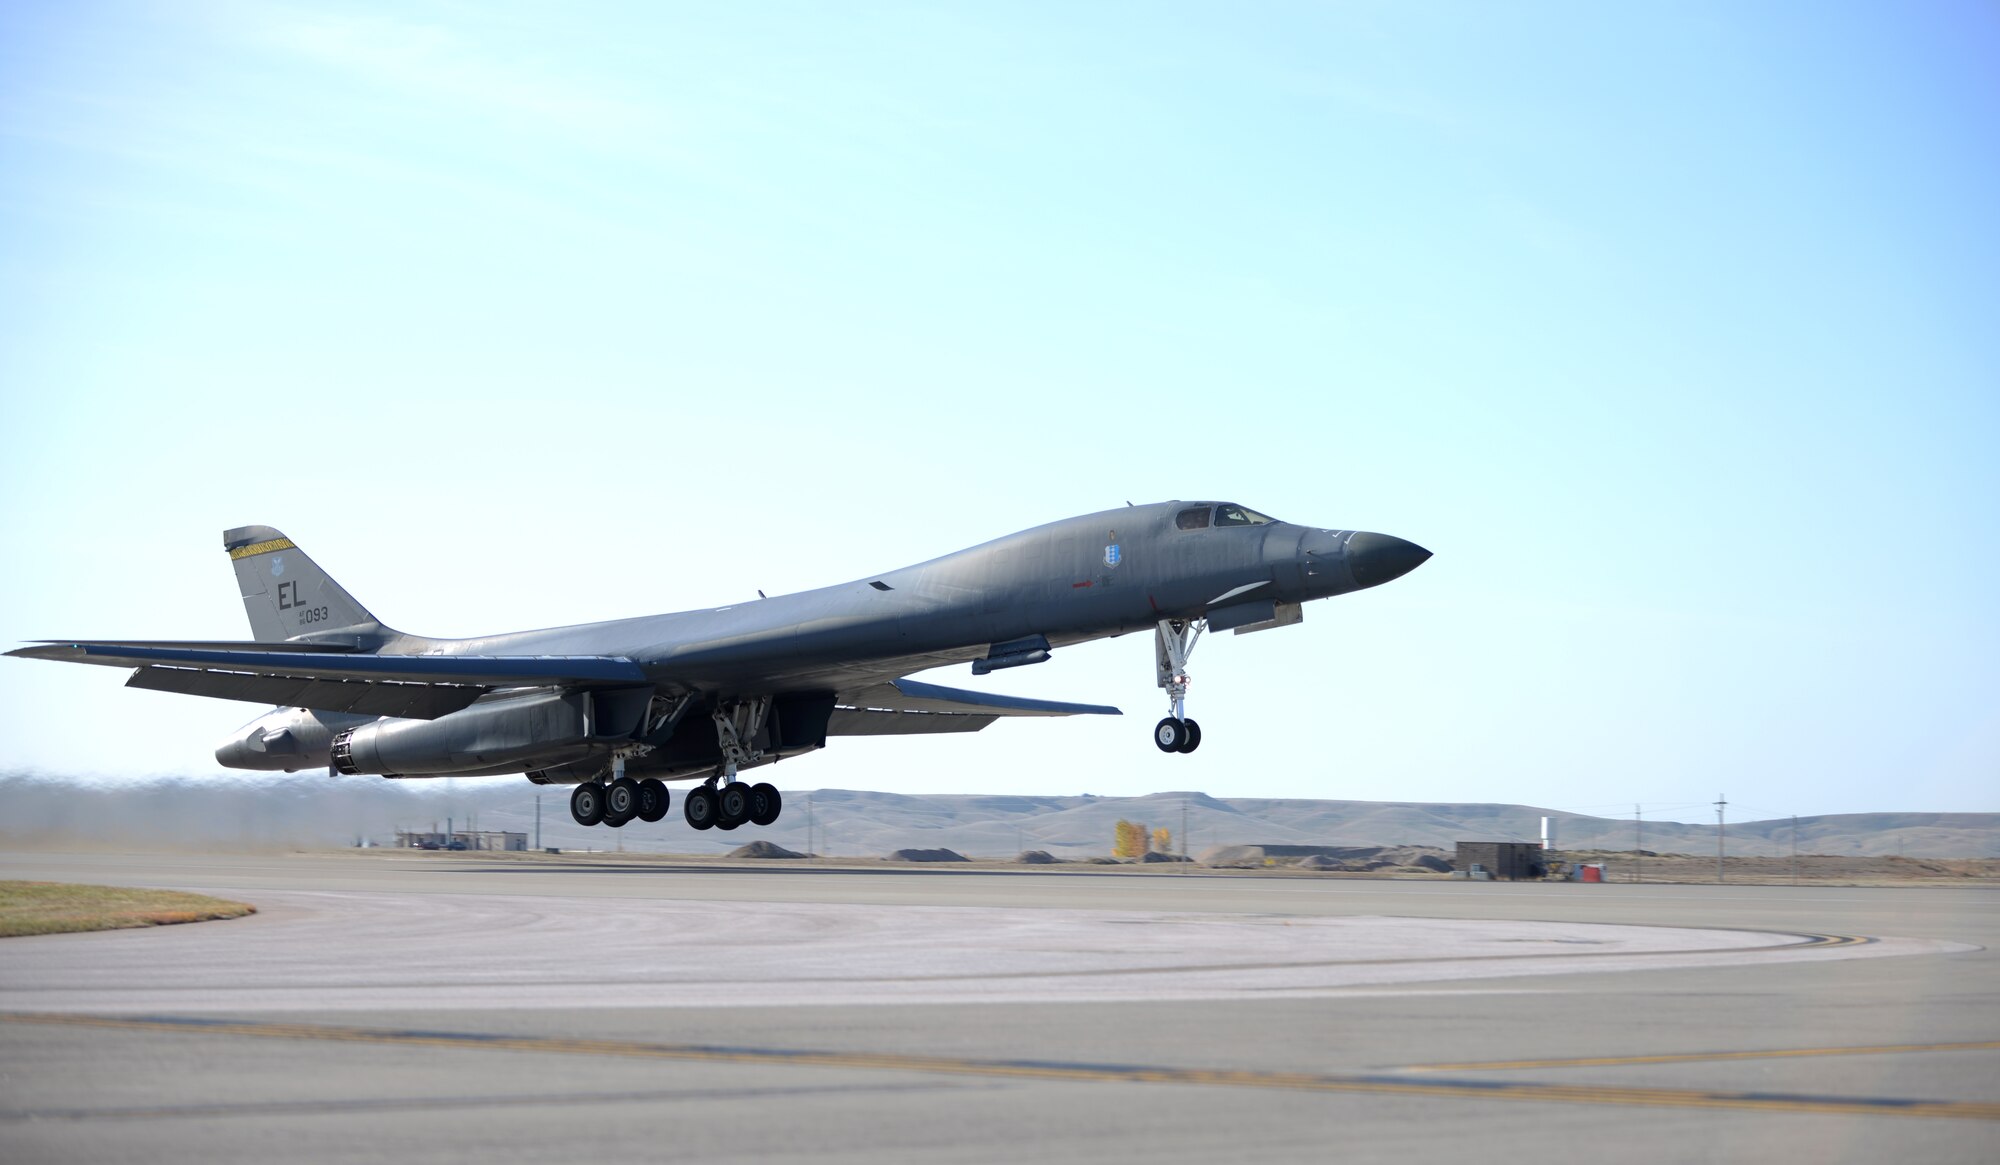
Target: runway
{"x":537,"y":1011}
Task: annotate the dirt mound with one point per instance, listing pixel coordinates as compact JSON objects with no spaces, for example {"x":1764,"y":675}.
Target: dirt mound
{"x":928,"y":855}
{"x":1154,"y":856}
{"x":1037,"y":857}
{"x":763,"y":849}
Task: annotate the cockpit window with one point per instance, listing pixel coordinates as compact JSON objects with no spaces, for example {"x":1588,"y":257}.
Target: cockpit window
{"x":1238,"y":516}
{"x":1196,"y":519}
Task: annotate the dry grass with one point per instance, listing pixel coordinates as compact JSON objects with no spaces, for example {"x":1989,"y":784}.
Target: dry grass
{"x":59,"y":908}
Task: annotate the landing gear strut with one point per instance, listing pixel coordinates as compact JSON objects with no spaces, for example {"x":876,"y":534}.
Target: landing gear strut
{"x":724,"y":802}
{"x":1173,"y":643}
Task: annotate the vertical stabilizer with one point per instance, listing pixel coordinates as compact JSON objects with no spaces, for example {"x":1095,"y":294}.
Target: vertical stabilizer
{"x":285,"y":593}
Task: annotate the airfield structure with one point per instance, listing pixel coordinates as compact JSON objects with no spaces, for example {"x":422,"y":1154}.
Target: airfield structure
{"x":1508,"y":860}
{"x":486,"y":839}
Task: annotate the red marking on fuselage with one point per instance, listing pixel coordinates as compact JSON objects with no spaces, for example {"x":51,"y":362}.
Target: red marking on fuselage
{"x":1154,"y":603}
{"x":1084,"y":583}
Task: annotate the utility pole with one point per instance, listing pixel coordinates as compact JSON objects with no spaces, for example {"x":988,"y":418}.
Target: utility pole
{"x":1638,"y":848}
{"x":1184,"y":853}
{"x":1721,"y":801}
{"x":1795,"y":849}
{"x":810,"y":854}
{"x":538,"y":823}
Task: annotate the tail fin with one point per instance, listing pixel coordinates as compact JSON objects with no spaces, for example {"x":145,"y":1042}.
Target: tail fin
{"x":286,"y":594}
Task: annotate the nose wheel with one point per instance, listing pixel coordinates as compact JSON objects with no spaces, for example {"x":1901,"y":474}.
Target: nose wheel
{"x":1177,"y":735}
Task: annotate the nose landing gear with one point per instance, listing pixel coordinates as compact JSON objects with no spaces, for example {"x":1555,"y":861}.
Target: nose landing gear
{"x":1173,"y":643}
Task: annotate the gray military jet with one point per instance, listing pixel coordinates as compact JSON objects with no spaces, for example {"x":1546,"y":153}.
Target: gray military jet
{"x":616,"y":709}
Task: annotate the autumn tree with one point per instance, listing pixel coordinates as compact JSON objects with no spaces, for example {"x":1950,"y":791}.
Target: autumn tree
{"x":1128,"y":839}
{"x":1163,"y":841}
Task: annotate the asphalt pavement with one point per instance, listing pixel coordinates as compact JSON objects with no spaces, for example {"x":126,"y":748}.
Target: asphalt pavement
{"x":454,"y":1006}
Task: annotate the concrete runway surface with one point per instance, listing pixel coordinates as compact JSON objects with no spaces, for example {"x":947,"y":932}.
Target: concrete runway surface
{"x":455,"y":1006}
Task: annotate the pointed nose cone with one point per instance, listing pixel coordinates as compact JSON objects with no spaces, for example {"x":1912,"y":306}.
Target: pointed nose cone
{"x":1374,"y":559}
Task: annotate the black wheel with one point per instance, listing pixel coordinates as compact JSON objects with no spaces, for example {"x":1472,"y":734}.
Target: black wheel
{"x":698,"y":807}
{"x":621,"y":801}
{"x":1192,"y":732}
{"x":765,"y":804}
{"x":1168,"y":734}
{"x":652,"y":799}
{"x":586,"y":804}
{"x":732,"y":805}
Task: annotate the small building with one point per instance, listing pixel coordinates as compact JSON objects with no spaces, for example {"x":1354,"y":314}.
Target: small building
{"x":1509,"y":860}
{"x":484,"y":839}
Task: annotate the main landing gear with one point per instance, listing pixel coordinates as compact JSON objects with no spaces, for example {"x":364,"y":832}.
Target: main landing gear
{"x":619,"y":800}
{"x":724,"y":802}
{"x":1173,"y":643}
{"x":729,"y":806}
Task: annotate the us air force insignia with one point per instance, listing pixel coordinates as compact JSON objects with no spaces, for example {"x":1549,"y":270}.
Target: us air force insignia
{"x":277,"y":565}
{"x":1111,"y":555}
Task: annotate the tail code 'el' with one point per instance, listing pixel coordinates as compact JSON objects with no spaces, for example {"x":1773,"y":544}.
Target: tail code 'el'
{"x":285,"y":593}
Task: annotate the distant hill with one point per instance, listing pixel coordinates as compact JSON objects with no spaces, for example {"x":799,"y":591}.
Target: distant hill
{"x":313,"y":810}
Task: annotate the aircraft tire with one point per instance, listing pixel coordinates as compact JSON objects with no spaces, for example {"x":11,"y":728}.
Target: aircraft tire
{"x":1192,"y":736}
{"x":1169,"y":733}
{"x":586,"y":803}
{"x":765,"y":803}
{"x":732,"y":805}
{"x":621,"y":801}
{"x":653,"y":800}
{"x":698,"y":808}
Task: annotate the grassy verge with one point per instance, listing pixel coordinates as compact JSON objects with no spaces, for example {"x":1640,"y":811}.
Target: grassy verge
{"x":58,"y":908}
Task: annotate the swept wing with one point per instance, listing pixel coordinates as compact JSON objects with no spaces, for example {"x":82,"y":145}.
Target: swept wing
{"x":335,"y":679}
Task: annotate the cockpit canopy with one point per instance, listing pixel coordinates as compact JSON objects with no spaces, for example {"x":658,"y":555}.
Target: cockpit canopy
{"x":1224,"y":514}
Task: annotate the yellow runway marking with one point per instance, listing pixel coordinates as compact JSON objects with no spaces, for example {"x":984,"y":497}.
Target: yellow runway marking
{"x":1703,"y":1057}
{"x":1374,"y":1083}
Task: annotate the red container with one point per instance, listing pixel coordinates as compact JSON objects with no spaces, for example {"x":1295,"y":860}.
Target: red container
{"x":1593,"y":873}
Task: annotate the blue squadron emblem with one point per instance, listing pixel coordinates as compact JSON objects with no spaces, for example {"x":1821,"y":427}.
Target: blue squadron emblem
{"x":277,"y":565}
{"x":1111,"y":555}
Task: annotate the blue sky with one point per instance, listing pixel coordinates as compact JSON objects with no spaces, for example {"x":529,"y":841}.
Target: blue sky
{"x":1670,"y":329}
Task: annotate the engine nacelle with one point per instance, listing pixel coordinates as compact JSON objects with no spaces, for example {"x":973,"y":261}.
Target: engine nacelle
{"x":286,"y":740}
{"x":505,"y":734}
